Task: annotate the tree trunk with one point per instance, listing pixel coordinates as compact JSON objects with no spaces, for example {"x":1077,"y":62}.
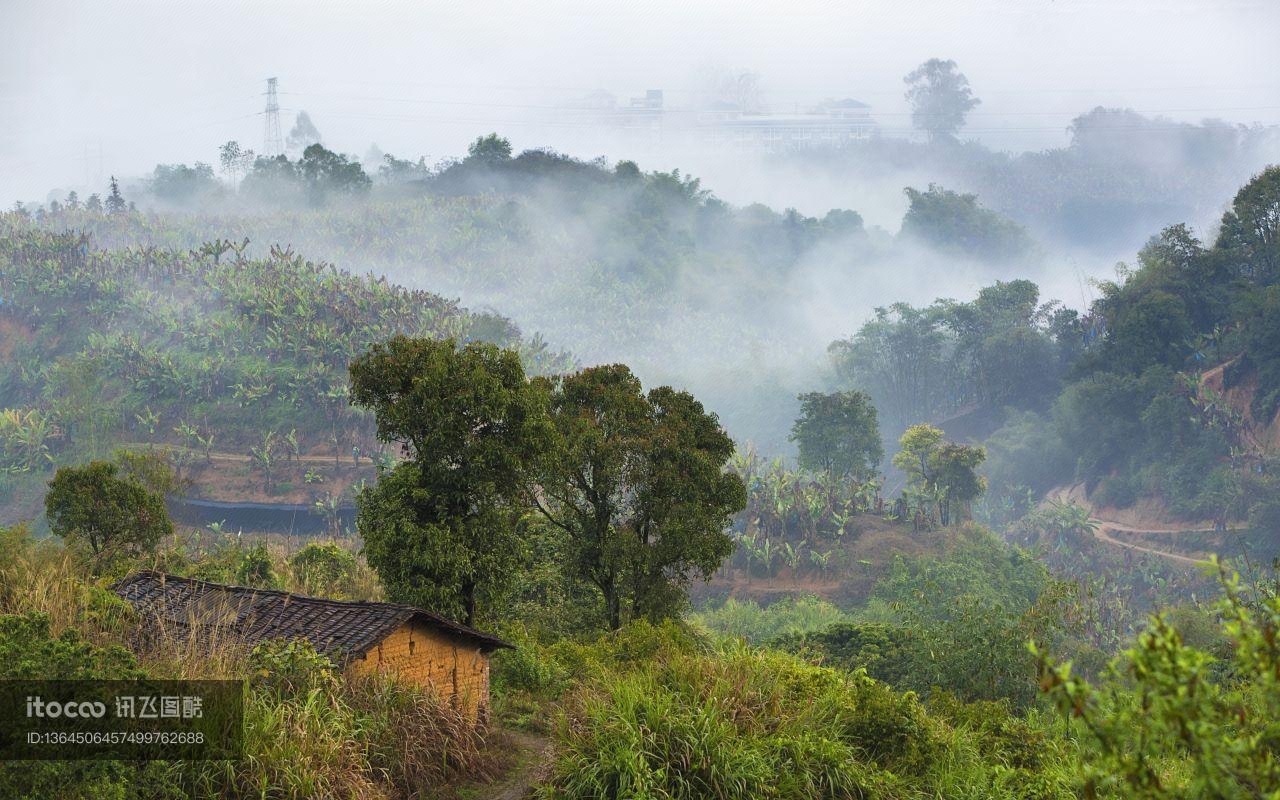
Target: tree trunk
{"x":468,"y":602}
{"x":613,"y":606}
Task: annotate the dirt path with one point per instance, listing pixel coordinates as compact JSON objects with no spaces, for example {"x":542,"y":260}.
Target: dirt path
{"x":1076,"y":495}
{"x":533,"y":760}
{"x":215,"y":455}
{"x":1103,"y":534}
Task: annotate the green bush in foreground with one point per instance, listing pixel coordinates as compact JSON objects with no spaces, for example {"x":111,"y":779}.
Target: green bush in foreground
{"x":1169,"y":720}
{"x":747,"y":723}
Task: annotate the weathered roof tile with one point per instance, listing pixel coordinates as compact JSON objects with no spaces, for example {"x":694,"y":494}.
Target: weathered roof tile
{"x":341,"y":630}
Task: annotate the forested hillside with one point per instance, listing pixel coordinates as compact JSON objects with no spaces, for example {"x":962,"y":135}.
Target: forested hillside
{"x":604,"y":260}
{"x":1112,"y":395}
{"x":921,"y":603}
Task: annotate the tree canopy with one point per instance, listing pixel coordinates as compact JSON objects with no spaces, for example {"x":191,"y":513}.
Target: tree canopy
{"x":838,"y":433}
{"x":440,"y":527}
{"x":940,"y":98}
{"x":637,"y":483}
{"x":112,"y":515}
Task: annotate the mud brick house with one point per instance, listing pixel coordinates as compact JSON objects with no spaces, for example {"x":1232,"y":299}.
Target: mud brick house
{"x":416,"y":645}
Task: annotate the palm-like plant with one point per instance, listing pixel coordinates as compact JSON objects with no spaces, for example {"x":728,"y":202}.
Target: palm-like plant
{"x":263,"y":457}
{"x":24,"y":440}
{"x":822,"y":561}
{"x":329,"y":507}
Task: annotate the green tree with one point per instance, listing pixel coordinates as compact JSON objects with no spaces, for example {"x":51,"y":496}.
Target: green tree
{"x":491,"y":149}
{"x":115,"y":203}
{"x":958,"y":223}
{"x":1250,"y":230}
{"x":944,"y":471}
{"x":915,"y":456}
{"x":112,"y":515}
{"x":274,"y":181}
{"x":231,"y":157}
{"x":180,"y":184}
{"x":957,"y":478}
{"x":327,"y":173}
{"x":898,"y":357}
{"x":838,"y":433}
{"x":440,"y":528}
{"x":940,"y":98}
{"x":638,"y":485}
{"x":323,"y":568}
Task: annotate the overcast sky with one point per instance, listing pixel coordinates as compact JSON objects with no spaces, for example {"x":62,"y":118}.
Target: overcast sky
{"x":94,"y":88}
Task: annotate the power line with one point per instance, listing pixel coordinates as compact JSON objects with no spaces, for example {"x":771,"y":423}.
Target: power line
{"x":581,"y":109}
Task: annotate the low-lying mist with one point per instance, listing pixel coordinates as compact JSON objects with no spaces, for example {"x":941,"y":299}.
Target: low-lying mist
{"x":734,"y":302}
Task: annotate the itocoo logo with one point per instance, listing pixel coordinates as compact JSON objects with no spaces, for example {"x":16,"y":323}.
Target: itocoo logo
{"x":37,"y":707}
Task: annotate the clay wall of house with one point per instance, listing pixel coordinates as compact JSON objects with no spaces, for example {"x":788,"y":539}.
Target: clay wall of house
{"x":455,"y":670}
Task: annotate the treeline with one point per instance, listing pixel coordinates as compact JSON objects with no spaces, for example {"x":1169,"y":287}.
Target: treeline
{"x":1121,"y":175}
{"x":1111,"y":396}
{"x":653,"y":268}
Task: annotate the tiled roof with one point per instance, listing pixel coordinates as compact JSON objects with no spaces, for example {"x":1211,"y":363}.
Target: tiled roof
{"x":340,"y":630}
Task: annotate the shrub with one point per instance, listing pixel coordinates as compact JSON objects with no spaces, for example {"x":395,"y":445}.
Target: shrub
{"x":29,"y":650}
{"x":257,"y":569}
{"x":323,"y":569}
{"x":756,"y":624}
{"x":888,"y":653}
{"x":1163,"y":723}
{"x":291,"y":665}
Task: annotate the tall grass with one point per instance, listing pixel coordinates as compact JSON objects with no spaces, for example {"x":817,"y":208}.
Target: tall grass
{"x":759,"y":624}
{"x":739,"y":722}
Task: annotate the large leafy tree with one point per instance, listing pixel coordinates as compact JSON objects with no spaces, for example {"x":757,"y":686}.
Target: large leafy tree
{"x":940,"y":98}
{"x":440,"y":527}
{"x":491,"y":149}
{"x":838,"y":433}
{"x":111,"y":514}
{"x":637,"y":484}
{"x":957,"y":223}
{"x":899,"y":357}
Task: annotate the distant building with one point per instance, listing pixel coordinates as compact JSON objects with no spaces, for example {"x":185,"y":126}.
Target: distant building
{"x":831,"y":124}
{"x":447,"y":657}
{"x":647,"y":119}
{"x":835,"y":123}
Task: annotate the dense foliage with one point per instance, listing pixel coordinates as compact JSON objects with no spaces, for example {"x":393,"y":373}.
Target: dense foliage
{"x":440,"y":527}
{"x":203,"y":350}
{"x":1119,"y":397}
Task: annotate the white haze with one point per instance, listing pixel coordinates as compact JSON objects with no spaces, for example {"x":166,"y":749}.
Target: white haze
{"x":92,"y":89}
{"x":119,"y":86}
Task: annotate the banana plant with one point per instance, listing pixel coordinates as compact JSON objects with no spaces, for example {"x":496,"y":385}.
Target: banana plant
{"x":821,"y":561}
{"x":329,"y":507}
{"x":263,"y":457}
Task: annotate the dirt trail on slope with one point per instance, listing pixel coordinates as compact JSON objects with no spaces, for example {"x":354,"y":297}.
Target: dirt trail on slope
{"x":534,"y":754}
{"x":1077,"y":495}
